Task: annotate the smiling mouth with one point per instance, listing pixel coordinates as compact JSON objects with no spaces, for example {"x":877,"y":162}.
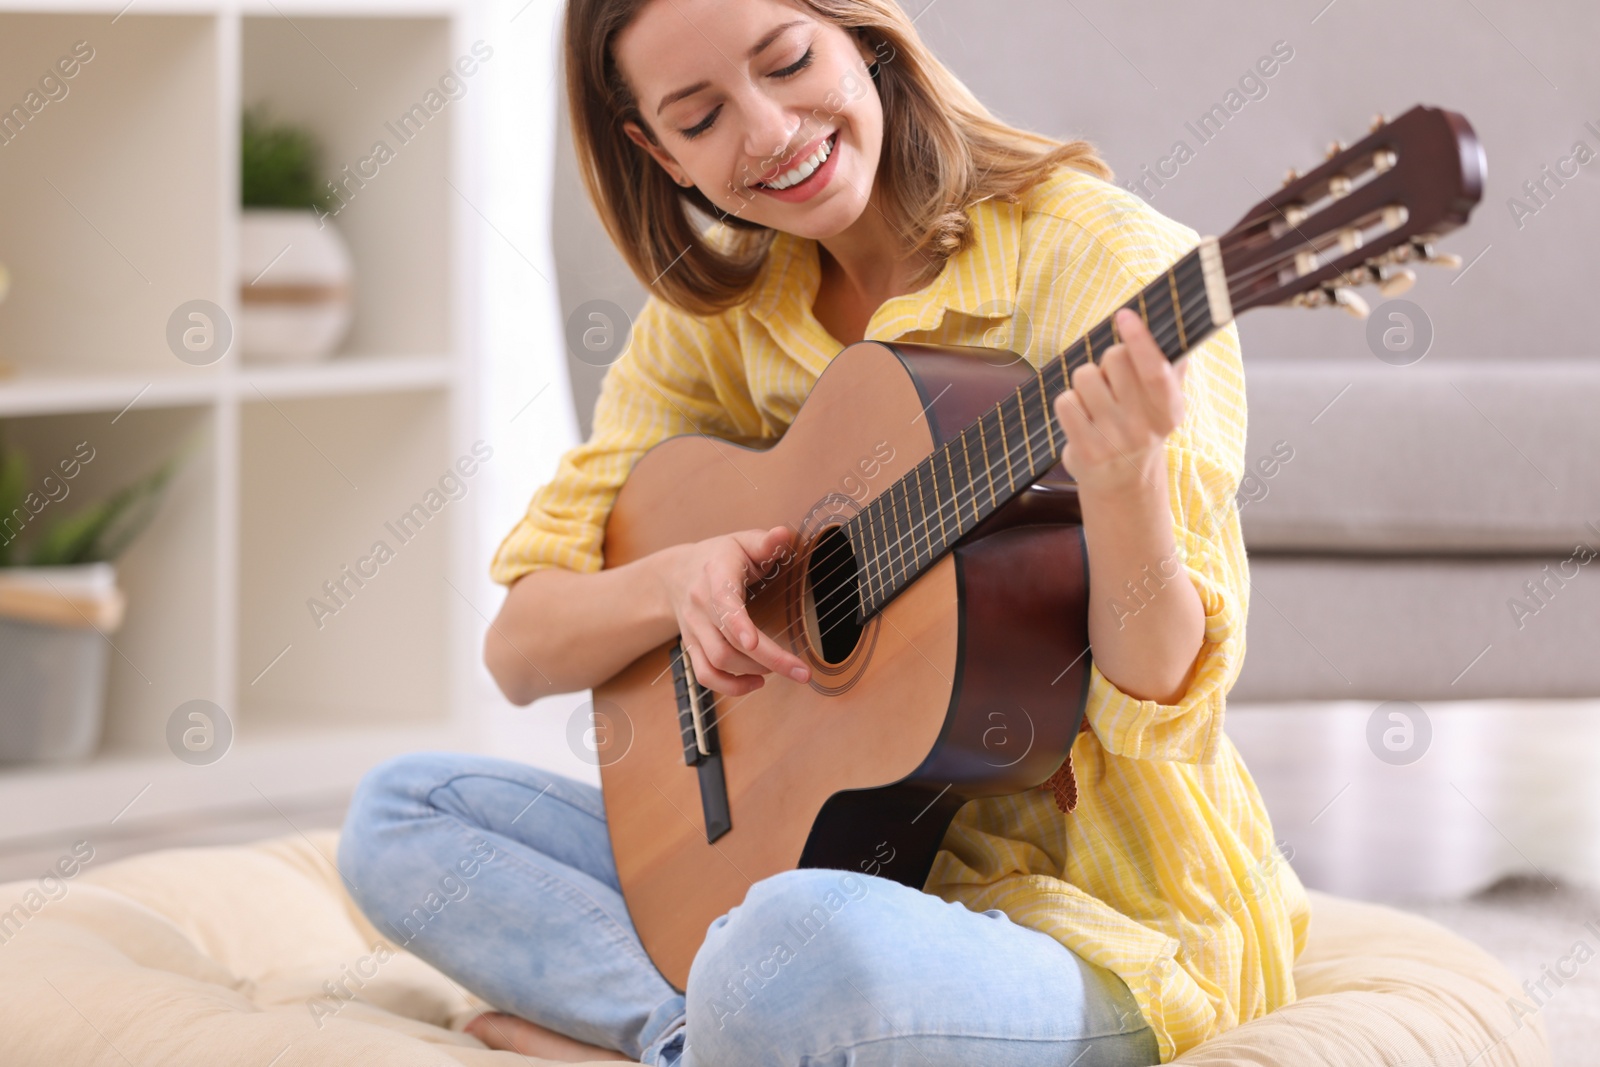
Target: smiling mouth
{"x":803,"y":169}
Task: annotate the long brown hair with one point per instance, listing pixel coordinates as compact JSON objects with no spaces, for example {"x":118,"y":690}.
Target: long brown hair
{"x":942,"y":153}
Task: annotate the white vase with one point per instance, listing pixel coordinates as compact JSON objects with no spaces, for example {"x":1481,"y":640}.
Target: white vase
{"x":294,"y":285}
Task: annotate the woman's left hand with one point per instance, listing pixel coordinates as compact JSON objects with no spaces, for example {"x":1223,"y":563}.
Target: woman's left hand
{"x":1118,"y":411}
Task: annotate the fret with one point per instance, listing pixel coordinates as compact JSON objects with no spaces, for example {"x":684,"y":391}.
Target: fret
{"x":1144,"y":312}
{"x":1080,"y":357}
{"x":925,"y":490}
{"x":911,"y":522}
{"x":1107,"y":326}
{"x":1027,"y":439}
{"x":938,"y":503}
{"x":983,"y":442}
{"x":967,"y":458}
{"x":1200,"y":318}
{"x":898,"y":543}
{"x":1049,"y":417}
{"x":1177,"y":310}
{"x":886,"y":549}
{"x":863,"y":572}
{"x":922,"y":506}
{"x":874,"y":563}
{"x":1005,"y":446}
{"x":944,"y":535}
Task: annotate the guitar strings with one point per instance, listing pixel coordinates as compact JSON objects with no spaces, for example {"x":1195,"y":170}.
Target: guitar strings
{"x":1164,"y":328}
{"x":1165,"y":331}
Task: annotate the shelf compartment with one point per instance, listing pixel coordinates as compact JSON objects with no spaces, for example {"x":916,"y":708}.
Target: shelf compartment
{"x":112,"y":216}
{"x":349,"y":80}
{"x":323,"y":481}
{"x":162,"y":654}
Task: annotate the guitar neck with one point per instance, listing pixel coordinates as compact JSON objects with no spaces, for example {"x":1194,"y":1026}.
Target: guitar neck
{"x":905,"y":529}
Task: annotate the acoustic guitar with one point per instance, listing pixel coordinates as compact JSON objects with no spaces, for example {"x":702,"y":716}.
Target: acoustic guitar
{"x":938,"y":583}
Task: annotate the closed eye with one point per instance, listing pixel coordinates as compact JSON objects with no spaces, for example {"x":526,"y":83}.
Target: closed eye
{"x":790,"y":71}
{"x":796,"y":67}
{"x":704,"y":124}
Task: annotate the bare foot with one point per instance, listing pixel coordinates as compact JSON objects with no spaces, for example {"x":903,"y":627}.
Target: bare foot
{"x":516,"y":1034}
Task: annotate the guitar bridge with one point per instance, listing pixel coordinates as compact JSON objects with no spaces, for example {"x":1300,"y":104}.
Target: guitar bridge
{"x":697,"y":723}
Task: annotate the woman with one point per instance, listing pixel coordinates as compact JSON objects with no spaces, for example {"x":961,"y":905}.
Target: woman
{"x":788,"y":176}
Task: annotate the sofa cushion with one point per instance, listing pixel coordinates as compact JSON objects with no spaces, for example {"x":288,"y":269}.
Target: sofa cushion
{"x":1322,"y":627}
{"x":1429,"y":457}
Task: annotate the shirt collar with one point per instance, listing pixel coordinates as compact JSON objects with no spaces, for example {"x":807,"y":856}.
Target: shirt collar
{"x":980,"y":281}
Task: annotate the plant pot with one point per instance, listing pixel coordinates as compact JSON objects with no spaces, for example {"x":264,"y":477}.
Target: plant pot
{"x":294,"y":285}
{"x":53,"y":659}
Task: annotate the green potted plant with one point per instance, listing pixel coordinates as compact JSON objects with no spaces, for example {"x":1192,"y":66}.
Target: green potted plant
{"x":58,"y":600}
{"x":294,"y":265}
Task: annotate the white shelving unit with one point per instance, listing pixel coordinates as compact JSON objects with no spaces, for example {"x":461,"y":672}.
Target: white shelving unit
{"x":121,"y":203}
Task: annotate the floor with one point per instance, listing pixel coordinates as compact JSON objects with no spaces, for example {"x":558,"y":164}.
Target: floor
{"x":1493,"y":831}
{"x":1491,"y":788}
{"x":1545,"y":933}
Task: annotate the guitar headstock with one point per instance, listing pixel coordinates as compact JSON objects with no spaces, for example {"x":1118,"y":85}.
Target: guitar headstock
{"x":1359,"y":217}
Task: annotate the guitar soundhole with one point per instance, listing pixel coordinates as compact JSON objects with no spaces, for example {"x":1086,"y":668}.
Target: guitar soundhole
{"x":831,"y":597}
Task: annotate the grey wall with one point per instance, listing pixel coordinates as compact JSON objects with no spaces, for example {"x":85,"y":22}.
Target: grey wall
{"x":1129,"y":76}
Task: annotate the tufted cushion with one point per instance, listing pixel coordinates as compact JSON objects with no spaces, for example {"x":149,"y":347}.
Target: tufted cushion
{"x":219,"y":956}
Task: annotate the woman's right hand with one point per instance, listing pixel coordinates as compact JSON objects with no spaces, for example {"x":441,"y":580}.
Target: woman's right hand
{"x":706,"y":582}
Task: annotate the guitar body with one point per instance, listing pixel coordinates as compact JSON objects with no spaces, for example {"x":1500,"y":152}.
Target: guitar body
{"x":970,"y":683}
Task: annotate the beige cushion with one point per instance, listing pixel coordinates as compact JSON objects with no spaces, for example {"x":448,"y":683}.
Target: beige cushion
{"x":218,"y":956}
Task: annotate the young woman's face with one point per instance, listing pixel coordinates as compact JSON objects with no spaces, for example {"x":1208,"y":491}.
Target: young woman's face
{"x":768,"y":110}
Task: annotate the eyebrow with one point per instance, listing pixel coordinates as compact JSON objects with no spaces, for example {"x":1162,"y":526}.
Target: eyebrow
{"x":755,"y":50}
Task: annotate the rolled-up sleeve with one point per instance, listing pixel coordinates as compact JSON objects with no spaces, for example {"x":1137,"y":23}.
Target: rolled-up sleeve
{"x":659,"y":388}
{"x":1205,"y":462}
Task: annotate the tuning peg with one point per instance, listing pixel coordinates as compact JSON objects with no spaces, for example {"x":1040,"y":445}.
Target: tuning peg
{"x":1423,"y":251}
{"x":1351,"y":302}
{"x":1291,"y":177}
{"x":1394,"y":283}
{"x":1379,"y":121}
{"x":1334,"y":148}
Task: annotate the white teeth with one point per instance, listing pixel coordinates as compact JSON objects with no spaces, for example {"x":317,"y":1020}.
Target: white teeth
{"x":807,"y":167}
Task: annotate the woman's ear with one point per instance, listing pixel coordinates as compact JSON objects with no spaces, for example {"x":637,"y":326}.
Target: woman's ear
{"x":659,"y":154}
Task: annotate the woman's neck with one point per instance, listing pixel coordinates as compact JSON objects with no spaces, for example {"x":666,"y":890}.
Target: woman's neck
{"x":861,"y":268}
{"x":868,"y":259}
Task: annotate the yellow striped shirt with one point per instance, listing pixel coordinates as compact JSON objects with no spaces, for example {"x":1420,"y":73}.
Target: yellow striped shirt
{"x":1166,"y":873}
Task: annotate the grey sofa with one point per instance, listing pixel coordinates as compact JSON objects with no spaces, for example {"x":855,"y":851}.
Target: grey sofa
{"x":1433,"y":535}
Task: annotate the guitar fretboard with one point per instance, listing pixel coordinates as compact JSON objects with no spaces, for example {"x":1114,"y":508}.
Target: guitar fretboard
{"x":906,"y":528}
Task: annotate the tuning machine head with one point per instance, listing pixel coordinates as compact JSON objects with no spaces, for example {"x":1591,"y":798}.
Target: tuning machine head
{"x":1351,"y":302}
{"x":1395,"y":281}
{"x":1339,"y":296}
{"x":1423,"y":251}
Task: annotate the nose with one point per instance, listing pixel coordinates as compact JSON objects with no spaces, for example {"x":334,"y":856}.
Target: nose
{"x":769,"y":130}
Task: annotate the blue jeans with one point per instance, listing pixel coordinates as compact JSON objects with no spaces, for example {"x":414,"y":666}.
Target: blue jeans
{"x":501,"y":876}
